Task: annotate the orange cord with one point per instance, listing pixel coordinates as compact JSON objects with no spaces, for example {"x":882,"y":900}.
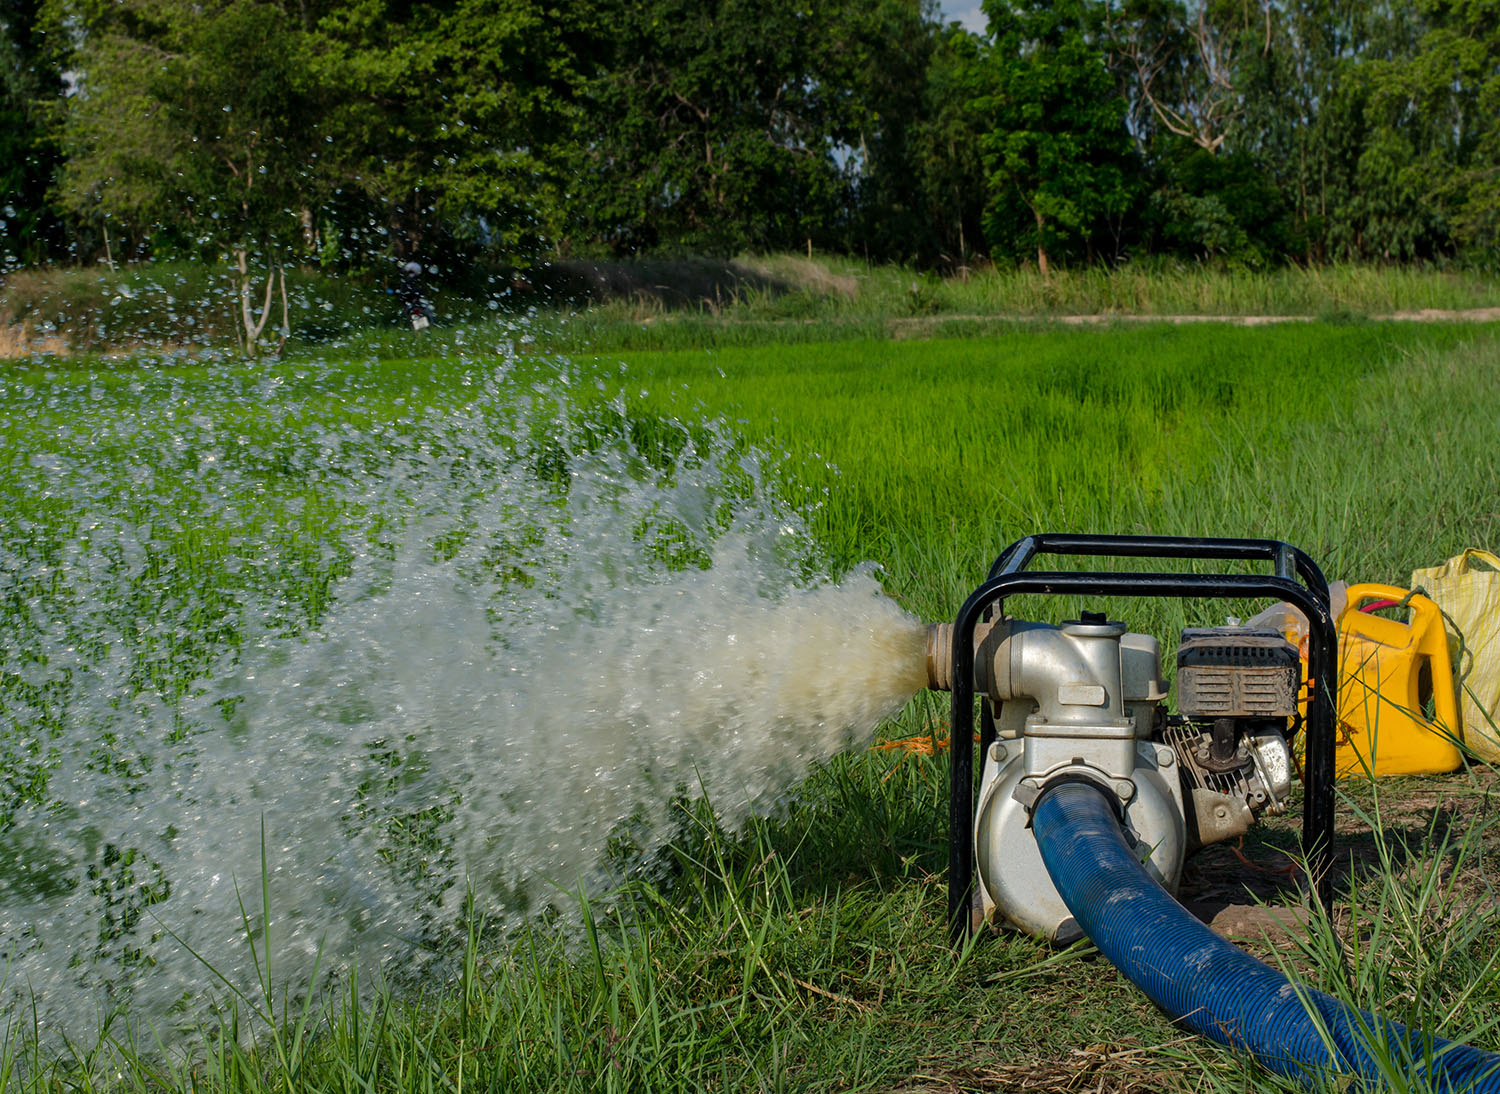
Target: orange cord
{"x":920,"y":746}
{"x":927,"y":745}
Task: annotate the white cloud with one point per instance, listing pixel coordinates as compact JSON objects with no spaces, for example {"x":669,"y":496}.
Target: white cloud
{"x":966,"y":12}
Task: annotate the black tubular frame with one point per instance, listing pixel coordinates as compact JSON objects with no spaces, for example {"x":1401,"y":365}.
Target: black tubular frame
{"x":1008,"y":577}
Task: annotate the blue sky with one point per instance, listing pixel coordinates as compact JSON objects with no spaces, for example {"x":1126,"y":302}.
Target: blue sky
{"x":965,"y":11}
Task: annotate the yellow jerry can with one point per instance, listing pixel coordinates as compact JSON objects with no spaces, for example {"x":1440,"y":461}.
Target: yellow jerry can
{"x":1387,"y":670}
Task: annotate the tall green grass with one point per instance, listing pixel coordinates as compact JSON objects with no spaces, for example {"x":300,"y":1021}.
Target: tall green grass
{"x":792,"y":286}
{"x":1414,"y":939}
{"x":930,"y":457}
{"x":806,"y":950}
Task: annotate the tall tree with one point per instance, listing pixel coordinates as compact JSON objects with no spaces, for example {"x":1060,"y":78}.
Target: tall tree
{"x":1436,"y":116}
{"x":946,"y":144}
{"x":454,"y":119}
{"x":268,"y":129}
{"x":919,"y":183}
{"x":203,"y":118}
{"x":717,"y":125}
{"x":196,"y":119}
{"x":31,"y":87}
{"x":893,"y":43}
{"x":1307,"y":121}
{"x":1057,"y":152}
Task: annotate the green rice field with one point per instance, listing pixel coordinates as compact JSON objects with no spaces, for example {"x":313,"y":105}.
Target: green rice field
{"x":930,"y":456}
{"x":168,"y":523}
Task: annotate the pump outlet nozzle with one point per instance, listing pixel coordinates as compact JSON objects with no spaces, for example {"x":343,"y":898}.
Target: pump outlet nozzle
{"x":940,"y":656}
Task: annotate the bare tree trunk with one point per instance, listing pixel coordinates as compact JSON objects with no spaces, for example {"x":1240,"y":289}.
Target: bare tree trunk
{"x":253,"y":327}
{"x":286,"y":318}
{"x":1210,"y":108}
{"x":1041,"y":251}
{"x":234,"y":325}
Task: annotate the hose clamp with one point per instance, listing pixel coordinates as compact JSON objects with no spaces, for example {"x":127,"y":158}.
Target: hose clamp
{"x":1118,"y":791}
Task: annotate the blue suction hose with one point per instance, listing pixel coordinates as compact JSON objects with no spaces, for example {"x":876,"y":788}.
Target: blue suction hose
{"x":1212,"y":987}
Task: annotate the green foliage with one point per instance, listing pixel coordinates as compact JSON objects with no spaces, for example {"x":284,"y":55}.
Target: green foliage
{"x":30,"y":83}
{"x":923,"y":193}
{"x":192,"y":117}
{"x":1365,"y":119}
{"x":918,"y":191}
{"x":1436,"y":144}
{"x":519,"y":130}
{"x":450,"y":127}
{"x":724,"y":120}
{"x":371,"y":128}
{"x":1304,"y":118}
{"x":1222,"y":208}
{"x":234,"y":107}
{"x":1057,"y":152}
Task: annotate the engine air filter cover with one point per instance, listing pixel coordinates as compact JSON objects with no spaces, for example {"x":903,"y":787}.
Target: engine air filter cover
{"x":1236,"y":672}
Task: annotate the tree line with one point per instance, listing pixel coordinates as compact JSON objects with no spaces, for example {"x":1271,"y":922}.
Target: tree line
{"x":345,"y":132}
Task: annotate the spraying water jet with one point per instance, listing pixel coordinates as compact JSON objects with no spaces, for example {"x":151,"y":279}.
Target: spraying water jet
{"x":479,"y":644}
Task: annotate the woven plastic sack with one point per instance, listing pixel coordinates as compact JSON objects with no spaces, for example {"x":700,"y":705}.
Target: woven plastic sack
{"x":1470,"y":594}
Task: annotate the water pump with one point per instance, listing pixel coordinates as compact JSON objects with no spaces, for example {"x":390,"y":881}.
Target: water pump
{"x":1091,"y":793}
{"x":1085,"y":701}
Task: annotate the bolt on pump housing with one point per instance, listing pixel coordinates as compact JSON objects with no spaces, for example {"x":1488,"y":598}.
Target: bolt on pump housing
{"x":1084,"y":701}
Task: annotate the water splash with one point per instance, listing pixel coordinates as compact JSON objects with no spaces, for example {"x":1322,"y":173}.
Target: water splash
{"x":417,"y":634}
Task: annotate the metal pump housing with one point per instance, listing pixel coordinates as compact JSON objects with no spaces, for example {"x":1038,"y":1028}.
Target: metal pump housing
{"x":1082,"y":701}
{"x":1085,"y":702}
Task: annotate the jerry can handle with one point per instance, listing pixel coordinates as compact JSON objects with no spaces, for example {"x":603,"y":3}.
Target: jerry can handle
{"x":1367,"y":591}
{"x":1431,"y":640}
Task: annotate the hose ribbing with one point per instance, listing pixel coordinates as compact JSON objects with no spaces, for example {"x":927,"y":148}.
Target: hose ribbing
{"x":1215,"y":988}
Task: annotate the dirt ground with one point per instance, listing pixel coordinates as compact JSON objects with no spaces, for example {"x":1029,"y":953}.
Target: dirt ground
{"x":1236,"y":887}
